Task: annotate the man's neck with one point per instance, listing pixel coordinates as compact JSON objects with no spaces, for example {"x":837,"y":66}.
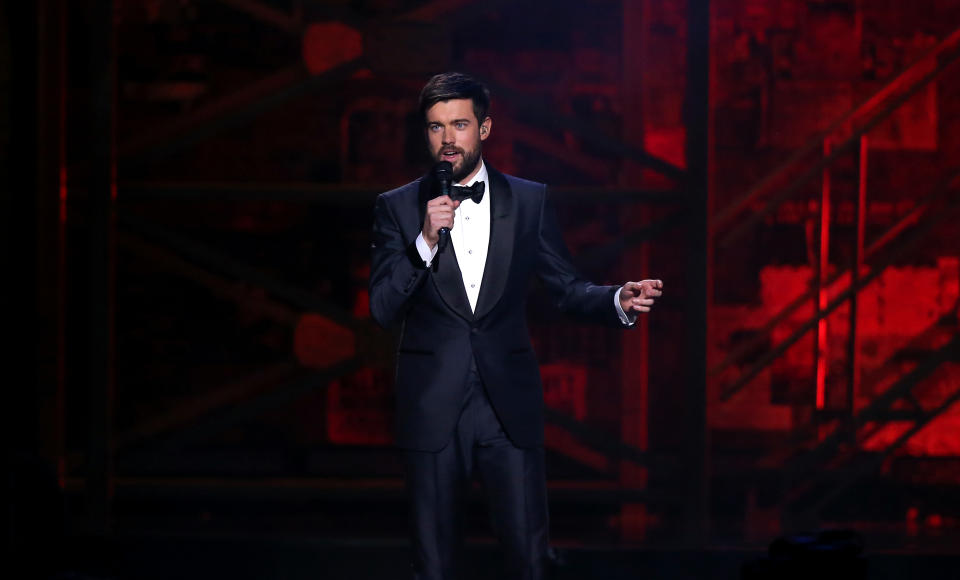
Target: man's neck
{"x":473,"y":173}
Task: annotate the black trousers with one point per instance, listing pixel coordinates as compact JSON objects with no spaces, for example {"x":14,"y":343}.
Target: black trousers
{"x":514,"y":484}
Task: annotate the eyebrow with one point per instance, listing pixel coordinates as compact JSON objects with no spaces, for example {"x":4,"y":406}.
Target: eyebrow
{"x":451,"y":122}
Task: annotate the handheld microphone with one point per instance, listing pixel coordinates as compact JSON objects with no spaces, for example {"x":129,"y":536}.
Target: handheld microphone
{"x":443,"y":173}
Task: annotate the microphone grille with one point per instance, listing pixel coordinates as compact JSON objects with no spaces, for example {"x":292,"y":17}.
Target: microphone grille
{"x":443,"y":170}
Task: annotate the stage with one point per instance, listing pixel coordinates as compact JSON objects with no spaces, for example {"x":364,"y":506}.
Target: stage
{"x":224,"y":557}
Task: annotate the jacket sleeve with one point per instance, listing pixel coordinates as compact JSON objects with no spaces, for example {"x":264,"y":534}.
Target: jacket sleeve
{"x":396,"y":270}
{"x":573,"y":295}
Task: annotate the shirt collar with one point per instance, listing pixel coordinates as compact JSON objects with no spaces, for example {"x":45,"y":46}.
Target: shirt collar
{"x":480,"y":176}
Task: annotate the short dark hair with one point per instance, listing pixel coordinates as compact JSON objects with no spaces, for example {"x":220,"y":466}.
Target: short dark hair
{"x":454,"y":85}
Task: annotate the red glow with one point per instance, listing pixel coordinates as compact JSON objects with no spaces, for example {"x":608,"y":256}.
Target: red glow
{"x":330,"y":44}
{"x":361,"y":304}
{"x":565,"y":388}
{"x":560,"y":440}
{"x":359,"y":409}
{"x":855,"y":362}
{"x":319,"y":342}
{"x":822,"y":338}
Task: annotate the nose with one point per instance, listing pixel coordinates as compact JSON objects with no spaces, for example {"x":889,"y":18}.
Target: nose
{"x":447,"y":137}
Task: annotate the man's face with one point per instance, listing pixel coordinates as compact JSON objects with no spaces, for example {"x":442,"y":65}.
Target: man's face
{"x":454,"y":134}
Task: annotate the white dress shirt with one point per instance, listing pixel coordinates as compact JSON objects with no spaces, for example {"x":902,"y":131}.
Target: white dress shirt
{"x":470,"y":236}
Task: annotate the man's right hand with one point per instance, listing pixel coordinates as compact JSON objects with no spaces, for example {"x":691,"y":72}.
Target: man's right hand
{"x":439,"y":215}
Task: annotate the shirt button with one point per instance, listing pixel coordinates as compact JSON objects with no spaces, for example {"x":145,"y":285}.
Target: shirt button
{"x":468,"y":218}
{"x":473,"y":285}
{"x":469,"y":251}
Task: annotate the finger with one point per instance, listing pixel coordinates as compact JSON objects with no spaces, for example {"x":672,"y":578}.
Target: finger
{"x":652,"y":286}
{"x":440,"y":201}
{"x":445,"y":212}
{"x":638,"y":308}
{"x":643,"y":301}
{"x":652,"y":292}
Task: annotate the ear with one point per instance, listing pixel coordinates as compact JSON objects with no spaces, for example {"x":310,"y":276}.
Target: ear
{"x":485,"y":128}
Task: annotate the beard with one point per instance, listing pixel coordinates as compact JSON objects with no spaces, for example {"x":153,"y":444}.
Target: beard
{"x":468,"y":162}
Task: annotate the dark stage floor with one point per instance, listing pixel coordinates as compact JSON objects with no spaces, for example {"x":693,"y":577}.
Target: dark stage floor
{"x":148,"y":557}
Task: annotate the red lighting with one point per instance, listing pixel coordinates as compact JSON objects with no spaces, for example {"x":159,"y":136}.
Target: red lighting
{"x":822,"y":351}
{"x":319,"y":342}
{"x":330,"y":44}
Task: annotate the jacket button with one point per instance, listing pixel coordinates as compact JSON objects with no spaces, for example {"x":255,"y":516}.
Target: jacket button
{"x":473,"y":330}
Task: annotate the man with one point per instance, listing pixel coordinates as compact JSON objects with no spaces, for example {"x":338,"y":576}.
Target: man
{"x":468,"y":392}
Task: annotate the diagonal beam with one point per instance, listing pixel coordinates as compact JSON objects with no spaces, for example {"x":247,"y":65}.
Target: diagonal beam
{"x":233,"y":103}
{"x":565,"y":443}
{"x":219,"y":262}
{"x":232,"y":395}
{"x":189,"y":411}
{"x":597,"y":449}
{"x":726,"y":238}
{"x":264,"y":94}
{"x":446,"y":11}
{"x":275,"y":89}
{"x":598,"y":169}
{"x":862,"y":283}
{"x":537,"y":113}
{"x":808,"y":431}
{"x":219,"y":286}
{"x":438,"y":9}
{"x":814,"y":144}
{"x":606,"y":445}
{"x":219,"y":420}
{"x":609,"y":251}
{"x":847,"y":477}
{"x":881,"y":405}
{"x":268,"y":15}
{"x":231,"y":111}
{"x":941,"y":190}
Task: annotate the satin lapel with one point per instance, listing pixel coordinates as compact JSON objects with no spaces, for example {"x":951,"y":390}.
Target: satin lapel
{"x":500,"y":252}
{"x":446,"y":270}
{"x":423,"y":196}
{"x":449,"y":282}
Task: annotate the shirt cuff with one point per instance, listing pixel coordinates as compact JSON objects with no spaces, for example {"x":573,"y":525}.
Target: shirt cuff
{"x":627,"y":319}
{"x":426,"y":253}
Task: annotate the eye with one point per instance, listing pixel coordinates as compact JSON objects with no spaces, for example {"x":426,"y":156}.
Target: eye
{"x":433,"y":127}
{"x":460,"y":125}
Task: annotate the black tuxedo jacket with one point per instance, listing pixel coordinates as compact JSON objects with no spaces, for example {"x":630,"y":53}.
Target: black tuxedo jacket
{"x":438,"y":331}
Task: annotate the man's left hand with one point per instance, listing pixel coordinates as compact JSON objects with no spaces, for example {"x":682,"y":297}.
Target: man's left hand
{"x":638,"y":296}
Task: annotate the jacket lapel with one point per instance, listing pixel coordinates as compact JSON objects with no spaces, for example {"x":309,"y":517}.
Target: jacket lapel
{"x":446,"y":270}
{"x":497,"y":267}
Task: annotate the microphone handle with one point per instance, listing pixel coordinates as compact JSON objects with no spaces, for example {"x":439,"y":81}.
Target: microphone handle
{"x":444,"y":234}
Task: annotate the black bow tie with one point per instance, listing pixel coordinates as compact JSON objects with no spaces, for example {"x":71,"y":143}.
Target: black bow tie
{"x":463,"y":192}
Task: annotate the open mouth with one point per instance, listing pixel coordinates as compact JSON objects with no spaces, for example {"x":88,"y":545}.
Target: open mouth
{"x":449,"y":155}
